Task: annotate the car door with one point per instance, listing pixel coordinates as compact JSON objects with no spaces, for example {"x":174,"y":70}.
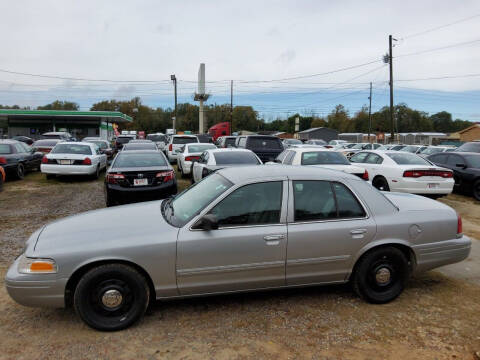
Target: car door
{"x":24,"y":156}
{"x":327,"y":226}
{"x":373,"y":164}
{"x":458,"y":164}
{"x":248,"y":249}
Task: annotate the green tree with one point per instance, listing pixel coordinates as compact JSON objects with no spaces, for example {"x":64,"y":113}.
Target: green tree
{"x":59,"y":105}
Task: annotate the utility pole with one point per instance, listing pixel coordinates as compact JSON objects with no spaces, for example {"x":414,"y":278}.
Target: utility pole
{"x":390,"y":58}
{"x":370,"y":113}
{"x":231,"y":107}
{"x":174,"y":79}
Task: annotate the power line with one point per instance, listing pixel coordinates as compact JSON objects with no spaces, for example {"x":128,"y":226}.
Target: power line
{"x":439,"y":48}
{"x":440,"y":27}
{"x":441,"y":77}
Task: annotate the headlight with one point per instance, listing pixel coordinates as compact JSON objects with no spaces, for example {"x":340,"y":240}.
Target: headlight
{"x":36,"y":266}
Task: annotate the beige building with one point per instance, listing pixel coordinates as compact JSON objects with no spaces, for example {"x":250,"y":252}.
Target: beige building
{"x":471,"y":133}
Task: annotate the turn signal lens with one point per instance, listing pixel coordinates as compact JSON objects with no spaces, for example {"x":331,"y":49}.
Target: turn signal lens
{"x":365,"y":175}
{"x":165,"y":175}
{"x":459,"y":224}
{"x":44,"y":160}
{"x":87,"y":161}
{"x":3,"y":160}
{"x":36,"y":266}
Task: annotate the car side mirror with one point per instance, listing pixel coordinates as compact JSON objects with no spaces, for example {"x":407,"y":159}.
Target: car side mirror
{"x":463,"y":166}
{"x":208,"y":222}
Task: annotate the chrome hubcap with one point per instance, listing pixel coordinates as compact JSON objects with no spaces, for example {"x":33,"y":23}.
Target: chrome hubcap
{"x":382,"y":276}
{"x":112,"y":298}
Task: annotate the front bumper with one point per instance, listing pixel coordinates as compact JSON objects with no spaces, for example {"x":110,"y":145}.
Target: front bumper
{"x":46,"y":290}
{"x":433,"y":255}
{"x":186,"y":167}
{"x":55,"y":169}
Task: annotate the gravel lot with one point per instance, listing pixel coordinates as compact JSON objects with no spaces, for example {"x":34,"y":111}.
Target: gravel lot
{"x":438,"y":316}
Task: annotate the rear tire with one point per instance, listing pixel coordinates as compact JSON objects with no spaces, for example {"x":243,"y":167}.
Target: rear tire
{"x":380,"y":275}
{"x":476,"y":189}
{"x":381,"y":183}
{"x":20,"y":172}
{"x":111,"y":297}
{"x":96,"y":174}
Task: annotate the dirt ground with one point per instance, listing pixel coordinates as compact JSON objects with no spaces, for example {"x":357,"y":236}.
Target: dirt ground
{"x":437,"y":317}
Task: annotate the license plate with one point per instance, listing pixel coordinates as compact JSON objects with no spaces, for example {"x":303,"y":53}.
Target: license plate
{"x":433,"y":185}
{"x":65,"y":162}
{"x":140,"y":182}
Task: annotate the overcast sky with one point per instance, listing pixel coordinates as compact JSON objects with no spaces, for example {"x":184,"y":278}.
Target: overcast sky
{"x":241,"y":40}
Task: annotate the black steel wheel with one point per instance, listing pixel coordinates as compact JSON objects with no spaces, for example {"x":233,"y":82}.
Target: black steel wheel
{"x":20,"y":171}
{"x":381,"y":183}
{"x":380,"y":275}
{"x":476,"y":189}
{"x":111,"y":297}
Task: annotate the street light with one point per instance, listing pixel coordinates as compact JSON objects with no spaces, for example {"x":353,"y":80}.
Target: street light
{"x":174,"y":79}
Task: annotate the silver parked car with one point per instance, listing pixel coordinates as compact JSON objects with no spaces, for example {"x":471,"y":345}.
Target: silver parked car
{"x":239,"y":229}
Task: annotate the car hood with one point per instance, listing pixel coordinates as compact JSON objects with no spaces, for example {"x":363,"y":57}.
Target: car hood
{"x":108,"y":228}
{"x":350,"y":169}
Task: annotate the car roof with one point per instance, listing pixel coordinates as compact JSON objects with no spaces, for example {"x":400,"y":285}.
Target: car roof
{"x":9,"y":141}
{"x":74,"y":142}
{"x":122,"y":153}
{"x":228,"y":149}
{"x":461,"y":153}
{"x":55,"y":133}
{"x":244,"y":173}
{"x":310,"y":149}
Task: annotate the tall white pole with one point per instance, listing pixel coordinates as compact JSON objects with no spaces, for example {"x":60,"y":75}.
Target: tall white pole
{"x":201,"y":128}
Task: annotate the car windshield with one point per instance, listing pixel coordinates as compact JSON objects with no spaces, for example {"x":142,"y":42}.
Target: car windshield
{"x":5,"y":149}
{"x":184,"y":140}
{"x":431,"y":150}
{"x":132,"y":159}
{"x":157,"y":138}
{"x":383,"y":147}
{"x":140,"y":146}
{"x":324,"y":158}
{"x":190,"y":202}
{"x":410,"y":149}
{"x":200,"y":148}
{"x":358,"y":146}
{"x":473,"y":161}
{"x":40,"y":143}
{"x":101,"y":144}
{"x":76,"y":149}
{"x":293,"y":141}
{"x":404,"y":158}
{"x":397,"y":147}
{"x":124,"y":139}
{"x":230,"y":142}
{"x":235,"y":157}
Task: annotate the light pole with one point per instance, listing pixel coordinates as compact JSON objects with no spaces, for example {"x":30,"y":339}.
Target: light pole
{"x":174,"y":79}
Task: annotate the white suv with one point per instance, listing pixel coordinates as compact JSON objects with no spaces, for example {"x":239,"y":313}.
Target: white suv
{"x":175,"y":143}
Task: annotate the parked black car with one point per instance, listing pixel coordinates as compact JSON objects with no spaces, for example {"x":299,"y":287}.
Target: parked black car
{"x":265,"y":147}
{"x":466,"y":170}
{"x":17,"y":158}
{"x":139,"y":176}
{"x":473,"y":146}
{"x":204,"y":138}
{"x":24,"y":139}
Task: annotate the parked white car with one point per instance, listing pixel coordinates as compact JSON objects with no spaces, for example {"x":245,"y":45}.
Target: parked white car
{"x":190,"y":153}
{"x":430,"y":150}
{"x":176,"y":142}
{"x":74,"y":158}
{"x":414,"y":149}
{"x":404,"y":172}
{"x":215,"y":159}
{"x":337,"y":142}
{"x":324,"y":158}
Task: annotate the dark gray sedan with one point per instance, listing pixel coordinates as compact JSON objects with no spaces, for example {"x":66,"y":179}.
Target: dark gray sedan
{"x":239,"y":229}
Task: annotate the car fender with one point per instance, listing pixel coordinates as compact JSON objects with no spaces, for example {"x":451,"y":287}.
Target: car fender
{"x":377,"y":243}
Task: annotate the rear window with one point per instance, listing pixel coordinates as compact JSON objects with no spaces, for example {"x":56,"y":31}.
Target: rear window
{"x":264,"y":143}
{"x":52,"y":136}
{"x":230,"y":142}
{"x":72,"y":149}
{"x":184,"y":140}
{"x":410,"y":149}
{"x":293,"y":141}
{"x":200,"y":148}
{"x":101,"y":144}
{"x":5,"y":149}
{"x":157,"y":138}
{"x":40,"y":143}
{"x":140,"y":146}
{"x":407,"y":159}
{"x":139,"y":160}
{"x":124,"y":139}
{"x":323,"y":157}
{"x":235,"y":157}
{"x":470,"y":147}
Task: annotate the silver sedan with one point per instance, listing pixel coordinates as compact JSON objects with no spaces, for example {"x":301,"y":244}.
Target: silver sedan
{"x":239,"y":229}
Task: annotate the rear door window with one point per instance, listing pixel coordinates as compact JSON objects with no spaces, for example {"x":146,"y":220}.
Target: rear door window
{"x":359,"y":158}
{"x":289,"y":158}
{"x":374,"y":159}
{"x":439,"y":158}
{"x":5,"y":149}
{"x":264,"y":143}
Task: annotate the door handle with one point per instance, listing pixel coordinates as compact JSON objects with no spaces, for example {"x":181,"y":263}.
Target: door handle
{"x":358,"y":231}
{"x":274,"y":237}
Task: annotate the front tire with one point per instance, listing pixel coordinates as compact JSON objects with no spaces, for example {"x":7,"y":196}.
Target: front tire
{"x":381,"y":183}
{"x":111,"y":297}
{"x":380,"y":275}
